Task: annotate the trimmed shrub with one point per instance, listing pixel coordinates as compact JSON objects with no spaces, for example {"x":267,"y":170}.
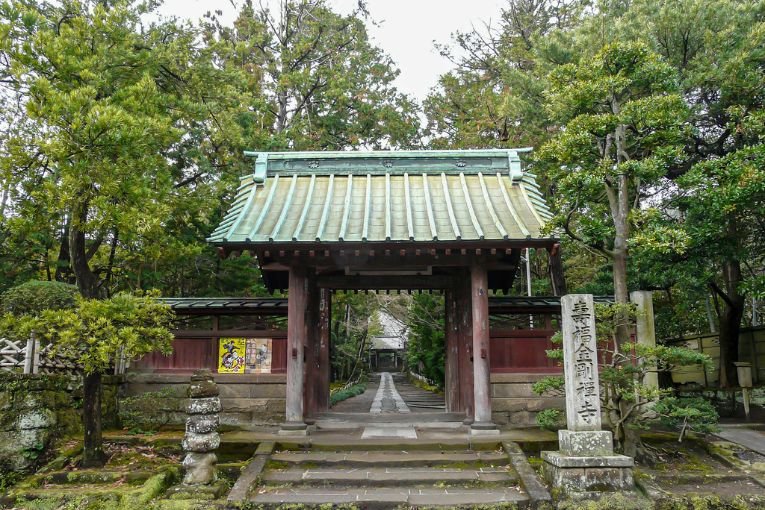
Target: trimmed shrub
{"x":35,"y":296}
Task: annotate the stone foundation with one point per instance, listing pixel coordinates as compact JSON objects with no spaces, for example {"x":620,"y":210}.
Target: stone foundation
{"x":247,"y":400}
{"x":588,"y":474}
{"x":514,"y":403}
{"x":35,"y":409}
{"x":586,"y":463}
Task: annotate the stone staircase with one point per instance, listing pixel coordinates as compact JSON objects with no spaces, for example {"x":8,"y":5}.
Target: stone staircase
{"x":385,"y":475}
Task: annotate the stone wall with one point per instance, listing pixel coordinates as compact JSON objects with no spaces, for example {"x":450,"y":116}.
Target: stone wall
{"x":247,"y":400}
{"x":513,"y":401}
{"x":37,"y":408}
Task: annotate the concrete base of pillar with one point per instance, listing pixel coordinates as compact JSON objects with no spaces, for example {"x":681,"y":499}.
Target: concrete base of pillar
{"x":605,"y":473}
{"x":293,"y":428}
{"x":483,"y":428}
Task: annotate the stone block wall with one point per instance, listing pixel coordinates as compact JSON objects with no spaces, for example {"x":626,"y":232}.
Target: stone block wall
{"x":37,"y":408}
{"x":247,"y":400}
{"x":513,"y":402}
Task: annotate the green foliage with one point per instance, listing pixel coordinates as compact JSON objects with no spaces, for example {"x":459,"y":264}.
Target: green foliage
{"x":426,"y":350}
{"x":346,"y":393}
{"x":95,"y":332}
{"x":687,"y":414}
{"x":34,"y":296}
{"x":627,"y":402}
{"x":353,"y":324}
{"x":144,"y":413}
{"x":551,"y":419}
{"x":548,"y":384}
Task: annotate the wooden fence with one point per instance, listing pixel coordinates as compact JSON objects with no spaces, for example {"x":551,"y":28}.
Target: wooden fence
{"x":30,"y":357}
{"x":751,"y":348}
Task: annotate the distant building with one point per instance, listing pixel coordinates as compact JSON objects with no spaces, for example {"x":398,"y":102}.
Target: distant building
{"x":386,"y":350}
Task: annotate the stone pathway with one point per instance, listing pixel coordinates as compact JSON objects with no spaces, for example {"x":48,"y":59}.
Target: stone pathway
{"x":752,"y":439}
{"x":387,"y":399}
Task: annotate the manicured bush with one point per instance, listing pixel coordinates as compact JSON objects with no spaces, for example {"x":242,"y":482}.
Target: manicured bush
{"x":343,"y":394}
{"x":35,"y":296}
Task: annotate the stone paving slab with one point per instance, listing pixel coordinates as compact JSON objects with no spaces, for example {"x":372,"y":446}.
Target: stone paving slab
{"x":396,"y":458}
{"x":749,"y":438}
{"x":399,"y":476}
{"x":397,"y":432}
{"x":429,"y":497}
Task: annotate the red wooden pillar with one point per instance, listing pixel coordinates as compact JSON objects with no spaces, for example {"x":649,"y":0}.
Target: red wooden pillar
{"x":465,"y":344}
{"x":452,"y":368}
{"x":311,"y":348}
{"x":481,"y":372}
{"x":296,"y":339}
{"x":321,"y":386}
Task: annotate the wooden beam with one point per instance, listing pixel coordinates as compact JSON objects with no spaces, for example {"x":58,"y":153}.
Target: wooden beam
{"x":384,"y":282}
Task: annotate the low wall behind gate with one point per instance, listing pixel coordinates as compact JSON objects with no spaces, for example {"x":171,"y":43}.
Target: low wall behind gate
{"x":247,"y":400}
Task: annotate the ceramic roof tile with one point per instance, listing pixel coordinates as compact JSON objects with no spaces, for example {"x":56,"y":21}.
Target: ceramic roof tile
{"x":420,"y":196}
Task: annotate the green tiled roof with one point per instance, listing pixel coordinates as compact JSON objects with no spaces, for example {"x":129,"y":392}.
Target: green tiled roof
{"x":423,"y":196}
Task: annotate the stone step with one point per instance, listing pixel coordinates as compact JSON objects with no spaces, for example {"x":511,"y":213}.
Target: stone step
{"x":392,"y":459}
{"x":353,"y":443}
{"x":391,"y":498}
{"x":391,"y":477}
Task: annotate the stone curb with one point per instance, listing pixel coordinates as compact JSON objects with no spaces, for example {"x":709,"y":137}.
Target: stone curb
{"x":250,"y":474}
{"x":531,"y":482}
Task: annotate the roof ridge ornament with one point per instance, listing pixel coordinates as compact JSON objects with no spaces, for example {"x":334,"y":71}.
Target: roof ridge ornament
{"x":514,"y":164}
{"x":261,"y":166}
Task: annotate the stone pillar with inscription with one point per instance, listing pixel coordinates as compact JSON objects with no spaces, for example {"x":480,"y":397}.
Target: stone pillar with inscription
{"x":586,"y":461}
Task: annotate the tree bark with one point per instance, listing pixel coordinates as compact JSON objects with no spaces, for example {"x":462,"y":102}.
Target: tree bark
{"x":87,"y":281}
{"x":730,"y":323}
{"x":92,"y":453}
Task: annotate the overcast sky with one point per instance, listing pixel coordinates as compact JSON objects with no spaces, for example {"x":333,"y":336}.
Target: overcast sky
{"x":405,"y":29}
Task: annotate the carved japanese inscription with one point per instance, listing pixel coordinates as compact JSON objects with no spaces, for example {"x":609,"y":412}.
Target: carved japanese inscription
{"x":580,"y":363}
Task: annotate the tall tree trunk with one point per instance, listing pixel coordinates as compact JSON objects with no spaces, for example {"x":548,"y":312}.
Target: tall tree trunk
{"x":730,"y":323}
{"x":87,"y":282}
{"x":63,"y":262}
{"x":92,"y":453}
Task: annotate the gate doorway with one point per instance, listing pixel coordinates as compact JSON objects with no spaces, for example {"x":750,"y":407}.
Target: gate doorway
{"x":454,"y":222}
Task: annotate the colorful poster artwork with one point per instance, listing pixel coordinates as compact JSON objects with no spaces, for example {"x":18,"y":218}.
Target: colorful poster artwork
{"x":259,"y":355}
{"x":231,"y":355}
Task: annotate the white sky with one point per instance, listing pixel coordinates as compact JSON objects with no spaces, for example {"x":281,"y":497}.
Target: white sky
{"x":405,"y":30}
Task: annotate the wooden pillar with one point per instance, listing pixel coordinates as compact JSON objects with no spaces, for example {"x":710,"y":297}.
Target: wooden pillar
{"x":557,"y":278}
{"x":296,"y":339}
{"x":323,"y":362}
{"x":311,"y":348}
{"x":481,"y":383}
{"x":465,"y":344}
{"x":452,"y":368}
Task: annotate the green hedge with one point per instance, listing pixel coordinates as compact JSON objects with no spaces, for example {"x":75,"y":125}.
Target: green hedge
{"x":35,"y":296}
{"x":351,"y":391}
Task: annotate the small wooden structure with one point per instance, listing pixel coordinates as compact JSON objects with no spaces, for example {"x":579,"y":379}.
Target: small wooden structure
{"x":452,"y":221}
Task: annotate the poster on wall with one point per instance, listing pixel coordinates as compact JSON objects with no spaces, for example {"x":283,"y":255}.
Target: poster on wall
{"x":231,"y":355}
{"x":259,"y":355}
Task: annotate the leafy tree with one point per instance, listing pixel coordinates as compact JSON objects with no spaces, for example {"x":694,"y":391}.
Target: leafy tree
{"x":623,"y":132}
{"x":426,"y":349}
{"x":494,"y":96}
{"x":321,"y":83}
{"x":96,"y":334}
{"x":353,"y":324}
